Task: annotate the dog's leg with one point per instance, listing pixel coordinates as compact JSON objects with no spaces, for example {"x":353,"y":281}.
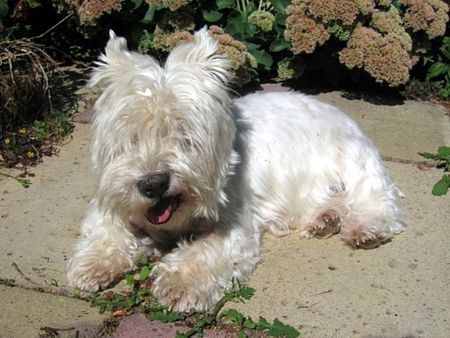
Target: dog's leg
{"x":106,"y":251}
{"x":196,"y":274}
{"x":372,"y":215}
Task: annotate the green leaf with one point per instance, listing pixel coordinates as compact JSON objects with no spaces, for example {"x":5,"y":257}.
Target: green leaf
{"x":137,"y":4}
{"x":261,"y":56}
{"x":167,"y":316}
{"x":7,"y":282}
{"x":279,"y":45}
{"x":234,"y":316}
{"x":242,"y":334}
{"x":33,"y":3}
{"x":212,"y":16}
{"x":150,"y":14}
{"x":130,"y":303}
{"x":249,"y":323}
{"x":263,"y":324}
{"x":443,"y":150}
{"x":180,"y":335}
{"x":279,"y":329}
{"x":437,"y":69}
{"x":142,"y":261}
{"x":429,"y":156}
{"x":4,"y":9}
{"x":280,"y":5}
{"x":129,"y":278}
{"x":221,"y":4}
{"x":144,"y":273}
{"x":246,"y":292}
{"x":235,"y":26}
{"x":441,"y":187}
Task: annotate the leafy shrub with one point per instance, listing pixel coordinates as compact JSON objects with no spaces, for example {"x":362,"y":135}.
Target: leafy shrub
{"x":439,"y":72}
{"x":385,"y":38}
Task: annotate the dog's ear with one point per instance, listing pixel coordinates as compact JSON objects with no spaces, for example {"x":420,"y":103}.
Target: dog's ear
{"x":118,"y":62}
{"x":200,"y":55}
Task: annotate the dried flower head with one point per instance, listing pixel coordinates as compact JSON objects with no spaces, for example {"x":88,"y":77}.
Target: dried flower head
{"x":303,"y":32}
{"x":430,"y":16}
{"x":166,"y":41}
{"x":384,"y":57}
{"x":91,"y":10}
{"x":173,"y":5}
{"x":328,"y":11}
{"x":365,"y":6}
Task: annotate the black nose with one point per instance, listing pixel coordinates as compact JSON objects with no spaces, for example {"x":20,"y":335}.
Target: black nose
{"x":154,"y":185}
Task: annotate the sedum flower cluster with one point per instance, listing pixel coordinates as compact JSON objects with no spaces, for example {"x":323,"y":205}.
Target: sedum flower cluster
{"x":173,"y":5}
{"x":384,"y":56}
{"x":262,"y":19}
{"x":430,"y":16}
{"x":304,"y":32}
{"x":90,"y":10}
{"x":378,"y":33}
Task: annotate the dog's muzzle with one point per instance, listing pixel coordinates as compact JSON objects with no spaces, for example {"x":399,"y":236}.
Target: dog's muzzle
{"x":155,"y":186}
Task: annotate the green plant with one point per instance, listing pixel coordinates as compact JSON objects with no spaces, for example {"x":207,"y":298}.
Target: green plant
{"x":383,"y":38}
{"x":439,"y":71}
{"x":56,"y":124}
{"x":25,"y":183}
{"x":443,"y":158}
{"x":139,"y":297}
{"x":7,"y":282}
{"x":259,"y":25}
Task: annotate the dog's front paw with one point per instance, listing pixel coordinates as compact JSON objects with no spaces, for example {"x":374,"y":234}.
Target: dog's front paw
{"x":185,"y":287}
{"x":92,"y":272}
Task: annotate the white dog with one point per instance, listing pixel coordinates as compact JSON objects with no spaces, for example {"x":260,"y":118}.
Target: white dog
{"x":188,"y":173}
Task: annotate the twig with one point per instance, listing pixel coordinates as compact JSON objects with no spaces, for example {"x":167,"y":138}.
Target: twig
{"x":53,"y":27}
{"x":323,"y":292}
{"x":22,"y":274}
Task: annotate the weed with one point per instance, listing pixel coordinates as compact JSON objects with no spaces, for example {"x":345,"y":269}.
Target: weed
{"x":141,"y":298}
{"x":23,"y":181}
{"x":443,"y":158}
{"x":7,"y":282}
{"x":439,"y":71}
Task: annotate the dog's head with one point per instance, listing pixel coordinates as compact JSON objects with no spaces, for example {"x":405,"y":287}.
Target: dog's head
{"x":163,"y":134}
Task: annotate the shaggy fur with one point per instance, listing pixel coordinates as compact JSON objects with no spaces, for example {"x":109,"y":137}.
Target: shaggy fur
{"x":185,"y":172}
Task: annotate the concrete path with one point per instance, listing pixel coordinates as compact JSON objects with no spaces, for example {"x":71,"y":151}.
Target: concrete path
{"x":321,"y":286}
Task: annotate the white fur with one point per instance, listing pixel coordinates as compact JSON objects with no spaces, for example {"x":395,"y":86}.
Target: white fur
{"x":283,"y":162}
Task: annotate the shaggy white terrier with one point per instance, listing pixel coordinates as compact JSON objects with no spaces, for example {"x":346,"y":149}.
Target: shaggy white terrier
{"x":185,"y":172}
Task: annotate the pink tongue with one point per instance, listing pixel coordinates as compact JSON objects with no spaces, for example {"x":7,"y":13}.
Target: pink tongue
{"x":164,"y":217}
{"x":161,"y":212}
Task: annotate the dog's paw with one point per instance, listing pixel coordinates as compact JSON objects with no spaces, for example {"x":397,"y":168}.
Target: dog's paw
{"x":364,"y":237}
{"x":91,"y":272}
{"x":185,"y":287}
{"x":325,"y":225}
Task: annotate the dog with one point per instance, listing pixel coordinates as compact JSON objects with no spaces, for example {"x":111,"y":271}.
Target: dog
{"x":187,"y":173}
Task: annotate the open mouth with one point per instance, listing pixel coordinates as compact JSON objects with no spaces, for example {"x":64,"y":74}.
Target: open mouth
{"x":163,"y":210}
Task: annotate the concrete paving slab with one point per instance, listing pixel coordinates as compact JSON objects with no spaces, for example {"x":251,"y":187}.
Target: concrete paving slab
{"x":23,"y":313}
{"x":400,"y":130}
{"x":38,"y":225}
{"x":328,"y":289}
{"x":397,"y":290}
